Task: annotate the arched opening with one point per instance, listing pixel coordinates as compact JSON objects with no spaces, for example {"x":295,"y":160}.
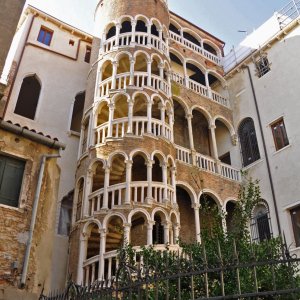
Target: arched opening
{"x":210,"y":219}
{"x":158,"y":230}
{"x":102,"y":114}
{"x":156,"y":108}
{"x":224,"y":143}
{"x":123,"y":64}
{"x":106,"y":70}
{"x":93,"y":243}
{"x":195,"y":74}
{"x":111,"y":32}
{"x":77,"y":112}
{"x":157,"y":170}
{"x":98,"y":176}
{"x":210,"y":49}
{"x":80,"y":187}
{"x":261,"y":223}
{"x":174,"y":29}
{"x":201,"y":133}
{"x":154,"y":30}
{"x":28,"y":97}
{"x":118,"y":170}
{"x":230,"y":208}
{"x":126,"y":27}
{"x":248,"y":142}
{"x":140,"y":106}
{"x":155,"y":66}
{"x":191,"y":38}
{"x":141,"y":63}
{"x":114,"y":235}
{"x":121,"y":107}
{"x":92,"y":250}
{"x":187,"y":216}
{"x":215,"y":84}
{"x":180,"y":127}
{"x":141,"y":26}
{"x":138,"y":232}
{"x":139,"y":168}
{"x":176,"y":64}
{"x":65,"y":216}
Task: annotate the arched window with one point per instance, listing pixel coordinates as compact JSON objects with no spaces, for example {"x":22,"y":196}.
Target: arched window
{"x":28,"y":97}
{"x":158,"y":231}
{"x":248,"y":141}
{"x":260,"y":223}
{"x":77,"y":112}
{"x":65,"y":215}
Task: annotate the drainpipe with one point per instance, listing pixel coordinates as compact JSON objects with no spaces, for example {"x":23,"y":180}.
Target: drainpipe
{"x":265,"y":150}
{"x":33,"y":215}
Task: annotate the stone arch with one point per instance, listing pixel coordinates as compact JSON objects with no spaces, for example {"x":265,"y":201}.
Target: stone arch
{"x":219,"y":77}
{"x":212,"y":45}
{"x":116,"y":152}
{"x":140,"y":151}
{"x":139,"y":220}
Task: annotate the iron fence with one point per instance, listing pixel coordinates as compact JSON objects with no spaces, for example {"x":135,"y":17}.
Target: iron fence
{"x":196,"y":275}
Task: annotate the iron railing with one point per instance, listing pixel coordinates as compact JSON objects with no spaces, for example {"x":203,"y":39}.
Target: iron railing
{"x":183,"y":276}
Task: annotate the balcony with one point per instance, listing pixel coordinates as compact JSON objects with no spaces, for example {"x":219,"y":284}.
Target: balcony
{"x":200,"y":89}
{"x":207,"y":164}
{"x":138,"y":80}
{"x":190,"y":45}
{"x":131,"y":39}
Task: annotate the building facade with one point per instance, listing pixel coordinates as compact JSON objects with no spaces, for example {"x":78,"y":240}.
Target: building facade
{"x":157,"y":136}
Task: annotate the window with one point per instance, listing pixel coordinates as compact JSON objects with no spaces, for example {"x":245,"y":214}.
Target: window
{"x":28,"y":97}
{"x":279,"y":134}
{"x":77,"y":112}
{"x":45,"y":36}
{"x":262,"y":66}
{"x":295,"y":215}
{"x":87,"y":56}
{"x":11,"y":175}
{"x":248,"y":142}
{"x":158,"y":231}
{"x":80,"y":187}
{"x":65,"y":216}
{"x":260,"y":223}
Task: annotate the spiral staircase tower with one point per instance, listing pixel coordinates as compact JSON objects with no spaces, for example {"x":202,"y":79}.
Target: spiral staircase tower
{"x":128,"y":160}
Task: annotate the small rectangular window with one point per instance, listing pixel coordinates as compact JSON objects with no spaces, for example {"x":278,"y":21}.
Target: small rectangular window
{"x":295,"y":215}
{"x":45,"y":36}
{"x":11,"y":176}
{"x":87,"y":56}
{"x":279,"y":134}
{"x":262,"y":66}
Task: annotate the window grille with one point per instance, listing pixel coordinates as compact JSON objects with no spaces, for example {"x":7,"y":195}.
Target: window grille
{"x":262,"y":66}
{"x":248,"y":142}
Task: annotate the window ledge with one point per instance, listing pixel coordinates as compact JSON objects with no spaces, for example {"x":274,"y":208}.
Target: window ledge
{"x":75,"y":133}
{"x":282,"y":149}
{"x":253,"y":164}
{"x":19,"y":209}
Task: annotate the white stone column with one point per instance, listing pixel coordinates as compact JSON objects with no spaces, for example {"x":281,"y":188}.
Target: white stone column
{"x":118,"y":28}
{"x":127,"y":227}
{"x":82,"y":257}
{"x":149,"y":232}
{"x":173,"y":179}
{"x":224,"y":213}
{"x":114,"y":74}
{"x":149,"y":35}
{"x":88,"y":190}
{"x":149,"y":179}
{"x":149,"y":117}
{"x":215,"y":154}
{"x":130,"y":115}
{"x":166,"y":232}
{"x":181,"y":35}
{"x":105,"y":188}
{"x":186,"y":77}
{"x":209,"y":92}
{"x":165,"y":182}
{"x":160,"y":34}
{"x":161,"y":75}
{"x":176,"y":229}
{"x":169,"y":84}
{"x":111,"y":108}
{"x":171,"y":124}
{"x":131,"y":78}
{"x":102,"y":251}
{"x":149,"y":62}
{"x":196,"y":207}
{"x":133,"y":27}
{"x":190,"y":128}
{"x":162,"y":118}
{"x":128,"y":181}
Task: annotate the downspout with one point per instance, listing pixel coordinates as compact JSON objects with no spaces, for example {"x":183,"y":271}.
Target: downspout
{"x":265,"y":150}
{"x":33,"y":215}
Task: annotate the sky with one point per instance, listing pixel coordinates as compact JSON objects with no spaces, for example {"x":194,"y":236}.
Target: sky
{"x":222,"y":18}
